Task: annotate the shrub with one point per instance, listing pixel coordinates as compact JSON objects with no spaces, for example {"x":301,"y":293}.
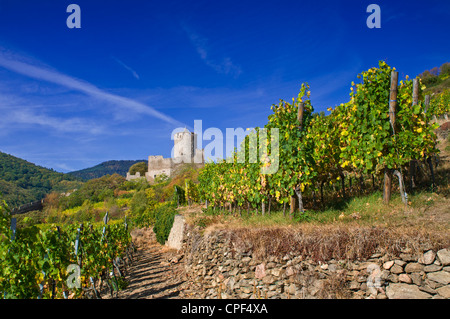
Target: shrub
{"x":431,"y":81}
{"x":141,"y":167}
{"x":161,"y":178}
{"x":51,"y":201}
{"x":179,"y":197}
{"x":191,"y":192}
{"x":445,"y":69}
{"x":96,"y":190}
{"x":164,"y":216}
{"x":138,"y":203}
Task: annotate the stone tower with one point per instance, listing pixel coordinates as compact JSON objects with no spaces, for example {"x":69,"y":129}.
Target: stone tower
{"x":184,"y":151}
{"x":185,"y":146}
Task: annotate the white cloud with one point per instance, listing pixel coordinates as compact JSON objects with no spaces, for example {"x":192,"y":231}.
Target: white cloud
{"x":62,"y":167}
{"x":18,"y":112}
{"x":14,"y":63}
{"x":224,"y":66}
{"x":133,"y":72}
{"x":28,"y":117}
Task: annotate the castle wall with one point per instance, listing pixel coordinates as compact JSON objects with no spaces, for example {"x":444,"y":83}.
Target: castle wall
{"x":184,"y":151}
{"x":132,"y":177}
{"x":158,"y":165}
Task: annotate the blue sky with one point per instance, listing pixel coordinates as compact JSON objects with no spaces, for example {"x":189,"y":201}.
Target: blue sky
{"x":117,"y":87}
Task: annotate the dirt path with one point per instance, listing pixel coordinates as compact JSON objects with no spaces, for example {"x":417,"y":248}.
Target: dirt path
{"x":156,"y":271}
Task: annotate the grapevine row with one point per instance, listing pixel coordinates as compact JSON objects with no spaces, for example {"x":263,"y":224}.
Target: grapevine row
{"x":37,"y":262}
{"x":357,"y":138}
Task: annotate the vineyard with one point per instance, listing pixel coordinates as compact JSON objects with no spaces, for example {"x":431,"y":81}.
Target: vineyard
{"x":384,"y":138}
{"x":48,"y":261}
{"x":386,"y":130}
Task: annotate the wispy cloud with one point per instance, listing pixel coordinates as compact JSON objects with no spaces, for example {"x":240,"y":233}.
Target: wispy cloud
{"x":15,"y":63}
{"x":133,"y":72}
{"x":64,"y":167}
{"x":224,"y":66}
{"x":72,"y":125}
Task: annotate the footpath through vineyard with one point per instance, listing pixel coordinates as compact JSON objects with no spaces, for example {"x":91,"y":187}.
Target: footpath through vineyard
{"x":157,"y":272}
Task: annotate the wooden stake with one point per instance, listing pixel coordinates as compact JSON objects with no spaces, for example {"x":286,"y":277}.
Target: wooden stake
{"x":361,"y":183}
{"x":343,"y":185}
{"x":401,"y":188}
{"x":393,"y":98}
{"x":313,"y":191}
{"x":412,"y":163}
{"x":392,"y":106}
{"x":301,"y":107}
{"x":299,"y":194}
{"x":427,"y":104}
{"x":415,"y":91}
{"x":292,"y":208}
{"x":321,"y":193}
{"x":387,"y":185}
{"x":430,"y":164}
{"x":297,"y":190}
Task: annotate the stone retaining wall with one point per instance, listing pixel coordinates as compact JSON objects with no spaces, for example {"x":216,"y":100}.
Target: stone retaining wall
{"x":216,"y":269}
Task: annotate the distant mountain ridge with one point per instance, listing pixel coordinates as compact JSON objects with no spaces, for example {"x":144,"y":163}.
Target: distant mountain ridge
{"x":22,"y":182}
{"x":120,"y":167}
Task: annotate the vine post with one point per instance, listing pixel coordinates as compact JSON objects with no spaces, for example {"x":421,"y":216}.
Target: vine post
{"x":412,"y":163}
{"x":392,"y":106}
{"x":298,"y":190}
{"x":392,"y":109}
{"x":429,"y":161}
{"x":300,"y":115}
{"x":427,"y":104}
{"x":13,"y":228}
{"x":291,"y":212}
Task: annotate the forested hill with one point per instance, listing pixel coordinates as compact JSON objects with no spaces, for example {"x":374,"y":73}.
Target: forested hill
{"x":22,"y":182}
{"x":437,"y":79}
{"x":105,"y":168}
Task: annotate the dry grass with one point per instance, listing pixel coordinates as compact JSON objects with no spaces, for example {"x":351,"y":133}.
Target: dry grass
{"x":339,"y":242}
{"x":365,"y":227}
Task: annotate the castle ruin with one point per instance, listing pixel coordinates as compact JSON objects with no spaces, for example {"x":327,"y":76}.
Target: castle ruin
{"x":184,"y":151}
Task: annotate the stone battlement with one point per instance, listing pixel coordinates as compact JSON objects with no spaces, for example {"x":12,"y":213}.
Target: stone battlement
{"x":184,"y":151}
{"x":133,"y":177}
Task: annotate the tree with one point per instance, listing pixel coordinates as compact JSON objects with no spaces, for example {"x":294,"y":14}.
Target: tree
{"x":445,"y":69}
{"x":141,"y":167}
